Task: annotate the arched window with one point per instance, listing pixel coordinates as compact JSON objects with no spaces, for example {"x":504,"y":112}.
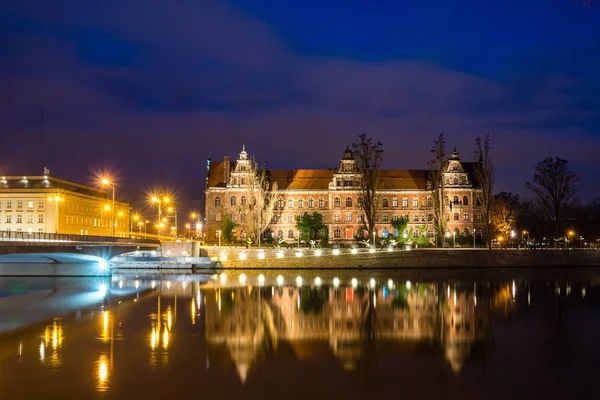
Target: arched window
{"x":455,"y":199}
{"x":337,"y":233}
{"x":336,"y":217}
{"x":337,"y":202}
{"x":430,"y":202}
{"x":311,"y":202}
{"x":385,"y":203}
{"x":395,"y":202}
{"x":456,"y":216}
{"x":242,"y":217}
{"x":243,"y":200}
{"x":321,"y":203}
{"x":416,"y":233}
{"x":384,"y":218}
{"x":466,"y":232}
{"x":280,"y":233}
{"x":290,"y":234}
{"x":456,"y":181}
{"x":290,"y":202}
{"x":280,"y":202}
{"x":465,"y":200}
{"x":348,"y":201}
{"x":405,"y":202}
{"x":233,"y":201}
{"x":218,"y":201}
{"x":300,"y":203}
{"x":243,"y":234}
{"x":456,"y":231}
{"x":349,"y":217}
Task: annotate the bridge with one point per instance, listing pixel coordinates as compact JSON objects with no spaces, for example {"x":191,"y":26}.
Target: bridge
{"x":105,"y":247}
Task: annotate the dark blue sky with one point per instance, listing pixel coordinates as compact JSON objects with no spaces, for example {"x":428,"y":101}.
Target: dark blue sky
{"x":148,"y":89}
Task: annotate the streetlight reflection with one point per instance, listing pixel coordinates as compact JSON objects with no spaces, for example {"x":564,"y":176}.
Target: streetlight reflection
{"x":102,"y":371}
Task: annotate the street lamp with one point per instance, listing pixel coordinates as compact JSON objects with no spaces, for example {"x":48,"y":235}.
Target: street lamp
{"x":219,"y":232}
{"x":158,"y":200}
{"x":447,"y":235}
{"x":134,"y":220}
{"x":571,"y":233}
{"x":107,"y":182}
{"x":56,"y":199}
{"x":453,"y":239}
{"x":189,"y":231}
{"x":512,"y":237}
{"x":198,"y":229}
{"x":105,"y":208}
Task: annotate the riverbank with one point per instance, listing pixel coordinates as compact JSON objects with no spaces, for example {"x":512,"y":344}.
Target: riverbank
{"x":427,"y":258}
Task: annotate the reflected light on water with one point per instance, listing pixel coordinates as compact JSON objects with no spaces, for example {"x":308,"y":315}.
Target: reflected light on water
{"x":169,"y":318}
{"x":193,"y":311}
{"x":261,"y":279}
{"x":354,"y":282}
{"x":102,"y":371}
{"x":336,"y":282}
{"x":166,"y":338}
{"x":280,"y":280}
{"x":223,"y":278}
{"x":42,"y":351}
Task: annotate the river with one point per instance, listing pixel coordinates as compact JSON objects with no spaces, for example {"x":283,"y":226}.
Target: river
{"x":468,"y":334}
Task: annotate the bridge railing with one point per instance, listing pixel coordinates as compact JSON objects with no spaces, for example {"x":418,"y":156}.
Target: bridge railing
{"x":40,"y":237}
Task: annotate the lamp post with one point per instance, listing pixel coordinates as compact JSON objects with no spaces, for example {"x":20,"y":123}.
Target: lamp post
{"x":571,"y":233}
{"x":134,"y":220}
{"x":188,"y":226}
{"x":198,"y":230}
{"x":105,"y":208}
{"x":453,"y":239}
{"x":447,"y":235}
{"x":57,"y":199}
{"x":107,"y":182}
{"x":159,"y":201}
{"x":219,"y":232}
{"x":512,"y":237}
{"x":173,"y":215}
{"x":374,"y":239}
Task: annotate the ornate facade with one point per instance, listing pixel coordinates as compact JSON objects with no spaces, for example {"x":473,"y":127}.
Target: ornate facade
{"x":334,"y":194}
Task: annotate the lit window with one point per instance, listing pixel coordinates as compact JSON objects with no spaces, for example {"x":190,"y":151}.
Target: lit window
{"x":321,"y":203}
{"x":455,"y":199}
{"x":349,"y":217}
{"x":337,"y":202}
{"x":290,"y":202}
{"x":280,"y":234}
{"x":30,"y":218}
{"x":466,"y":216}
{"x":9,"y":218}
{"x":30,"y":204}
{"x":280,"y":202}
{"x":337,"y":233}
{"x":385,"y":203}
{"x":348,"y":201}
{"x":311,"y":202}
{"x":19,"y":218}
{"x":243,"y":200}
{"x":290,"y":234}
{"x":234,"y":217}
{"x":9,"y":204}
{"x":233,"y":201}
{"x":478,"y":217}
{"x":395,"y":202}
{"x":217,"y":201}
{"x":395,"y":217}
{"x":290,"y":218}
{"x":336,"y":217}
{"x":242,"y":217}
{"x":415,"y":202}
{"x":300,"y":203}
{"x":384,"y":218}
{"x":41,"y":219}
{"x":405,"y":202}
{"x":360,"y":218}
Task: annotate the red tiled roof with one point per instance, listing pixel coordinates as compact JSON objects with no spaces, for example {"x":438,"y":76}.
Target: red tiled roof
{"x":402,"y":179}
{"x":302,"y":179}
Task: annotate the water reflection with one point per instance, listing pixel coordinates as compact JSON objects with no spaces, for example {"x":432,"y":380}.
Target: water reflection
{"x":294,"y":328}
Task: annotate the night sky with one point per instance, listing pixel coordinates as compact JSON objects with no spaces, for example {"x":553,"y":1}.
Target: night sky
{"x":147,"y":89}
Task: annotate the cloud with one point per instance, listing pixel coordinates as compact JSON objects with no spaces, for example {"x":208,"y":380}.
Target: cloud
{"x":203,"y":78}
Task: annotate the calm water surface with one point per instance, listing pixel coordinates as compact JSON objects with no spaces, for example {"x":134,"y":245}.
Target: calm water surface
{"x":304,"y":334}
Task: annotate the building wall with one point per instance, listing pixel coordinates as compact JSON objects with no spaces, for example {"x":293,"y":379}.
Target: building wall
{"x":37,"y":211}
{"x":342,"y":217}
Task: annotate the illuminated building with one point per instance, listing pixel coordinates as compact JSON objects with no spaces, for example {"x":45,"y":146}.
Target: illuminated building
{"x":43,"y":204}
{"x":334,"y":194}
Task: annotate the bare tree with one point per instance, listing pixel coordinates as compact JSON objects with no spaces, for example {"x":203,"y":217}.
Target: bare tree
{"x":484,"y":174}
{"x":438,"y":185}
{"x":368,"y":156}
{"x":555,"y":186}
{"x":261,"y":199}
{"x":503,"y":214}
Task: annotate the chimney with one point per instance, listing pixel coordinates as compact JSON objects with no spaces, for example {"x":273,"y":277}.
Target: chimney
{"x":226,"y":166}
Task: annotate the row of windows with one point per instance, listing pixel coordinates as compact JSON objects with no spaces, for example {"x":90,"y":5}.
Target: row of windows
{"x":29,"y":230}
{"x":337,"y":202}
{"x":19,"y":220}
{"x":28,"y":203}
